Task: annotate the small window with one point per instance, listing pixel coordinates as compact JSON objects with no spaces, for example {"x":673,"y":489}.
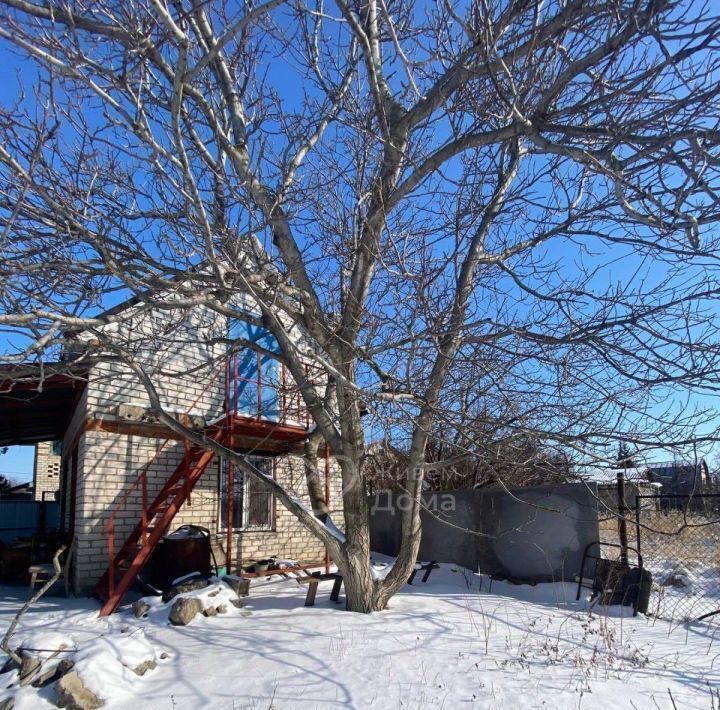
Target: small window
{"x":253,"y":505}
{"x":56,"y":448}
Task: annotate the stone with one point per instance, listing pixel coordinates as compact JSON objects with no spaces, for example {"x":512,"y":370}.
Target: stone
{"x":679,"y":580}
{"x":237,"y":603}
{"x":29,"y":668}
{"x":222,"y":609}
{"x":184,"y":587}
{"x":210,"y":611}
{"x":140,"y":608}
{"x":240,"y":586}
{"x":145,"y":666}
{"x":184,"y":610}
{"x":130,"y":411}
{"x":214,"y":594}
{"x":72,"y":694}
{"x":52,"y":674}
{"x":7,"y":703}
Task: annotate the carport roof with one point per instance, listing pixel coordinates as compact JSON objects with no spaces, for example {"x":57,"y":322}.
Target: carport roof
{"x":37,"y":402}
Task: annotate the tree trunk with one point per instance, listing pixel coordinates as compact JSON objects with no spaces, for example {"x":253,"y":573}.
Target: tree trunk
{"x":315,"y":487}
{"x":360,"y":588}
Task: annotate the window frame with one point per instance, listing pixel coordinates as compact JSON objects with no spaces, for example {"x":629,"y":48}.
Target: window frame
{"x":222,"y":498}
{"x":263,"y":368}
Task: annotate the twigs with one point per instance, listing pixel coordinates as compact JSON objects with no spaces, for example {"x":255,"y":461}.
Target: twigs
{"x":5,"y":644}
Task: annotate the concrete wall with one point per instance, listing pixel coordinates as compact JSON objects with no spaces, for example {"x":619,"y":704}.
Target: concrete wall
{"x":529,"y":534}
{"x":608,"y":497}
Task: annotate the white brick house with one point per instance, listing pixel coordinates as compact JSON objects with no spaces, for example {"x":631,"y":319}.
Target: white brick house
{"x":109,"y":440}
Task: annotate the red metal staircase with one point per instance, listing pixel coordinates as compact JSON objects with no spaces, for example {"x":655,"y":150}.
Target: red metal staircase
{"x":124,"y":567}
{"x":284,"y":419}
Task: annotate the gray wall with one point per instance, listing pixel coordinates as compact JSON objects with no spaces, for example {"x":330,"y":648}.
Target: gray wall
{"x":607,"y":493}
{"x":535,"y":534}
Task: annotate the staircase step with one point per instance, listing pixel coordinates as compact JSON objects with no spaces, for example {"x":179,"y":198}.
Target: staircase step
{"x":124,"y":568}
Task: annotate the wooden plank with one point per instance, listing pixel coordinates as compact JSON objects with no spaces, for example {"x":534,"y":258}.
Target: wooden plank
{"x":311,"y":592}
{"x":317,"y":578}
{"x":335,"y":594}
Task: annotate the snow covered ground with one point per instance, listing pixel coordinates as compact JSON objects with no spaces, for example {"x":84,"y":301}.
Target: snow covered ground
{"x":444,"y":644}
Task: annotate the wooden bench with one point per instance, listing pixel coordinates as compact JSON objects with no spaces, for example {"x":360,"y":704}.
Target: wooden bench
{"x":314,"y":579}
{"x":427,"y":567}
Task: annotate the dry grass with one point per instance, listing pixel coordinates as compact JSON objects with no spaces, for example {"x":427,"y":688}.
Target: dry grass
{"x":694,"y":537}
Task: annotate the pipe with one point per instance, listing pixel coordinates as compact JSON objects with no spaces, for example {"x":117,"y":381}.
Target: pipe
{"x":229,"y":514}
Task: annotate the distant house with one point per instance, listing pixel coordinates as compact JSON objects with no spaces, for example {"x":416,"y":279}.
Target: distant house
{"x":668,"y":478}
{"x":680,"y":477}
{"x":21,"y":491}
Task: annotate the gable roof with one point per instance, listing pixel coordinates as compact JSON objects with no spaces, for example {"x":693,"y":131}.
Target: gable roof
{"x":677,"y":471}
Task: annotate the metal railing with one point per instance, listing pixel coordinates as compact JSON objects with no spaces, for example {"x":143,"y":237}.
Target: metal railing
{"x":141,"y":482}
{"x":262,"y":395}
{"x":274,"y":399}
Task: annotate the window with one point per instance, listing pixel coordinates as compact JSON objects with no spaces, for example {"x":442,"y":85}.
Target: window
{"x":253,"y":506}
{"x":56,"y":448}
{"x":254,"y":377}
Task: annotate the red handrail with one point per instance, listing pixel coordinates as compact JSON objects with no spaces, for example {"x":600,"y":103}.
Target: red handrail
{"x":292,"y":400}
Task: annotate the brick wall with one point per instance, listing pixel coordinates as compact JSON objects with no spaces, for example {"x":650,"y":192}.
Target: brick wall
{"x":171,"y":348}
{"x":110,"y":462}
{"x":175,"y":349}
{"x":46,"y":472}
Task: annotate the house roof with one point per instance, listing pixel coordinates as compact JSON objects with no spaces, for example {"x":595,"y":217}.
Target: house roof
{"x":676,"y":471}
{"x":37,"y":402}
{"x":599,"y":474}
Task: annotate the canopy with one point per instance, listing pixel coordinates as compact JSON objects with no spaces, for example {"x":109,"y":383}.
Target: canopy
{"x":35,"y":404}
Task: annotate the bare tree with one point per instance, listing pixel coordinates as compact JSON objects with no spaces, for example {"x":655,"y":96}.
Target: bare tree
{"x":460,"y":205}
{"x":6,"y":484}
{"x":474,"y":456}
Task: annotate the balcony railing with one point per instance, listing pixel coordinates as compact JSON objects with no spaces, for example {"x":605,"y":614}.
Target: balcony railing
{"x":259,"y":387}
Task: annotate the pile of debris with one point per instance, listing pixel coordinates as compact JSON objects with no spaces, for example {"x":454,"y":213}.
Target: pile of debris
{"x":79,"y":674}
{"x":192,"y":596}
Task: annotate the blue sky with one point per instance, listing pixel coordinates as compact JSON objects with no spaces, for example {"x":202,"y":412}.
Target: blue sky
{"x":17,"y":463}
{"x":16,"y":73}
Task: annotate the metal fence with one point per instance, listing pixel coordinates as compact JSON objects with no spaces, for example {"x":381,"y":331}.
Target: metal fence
{"x":22,"y":518}
{"x":678,"y":537}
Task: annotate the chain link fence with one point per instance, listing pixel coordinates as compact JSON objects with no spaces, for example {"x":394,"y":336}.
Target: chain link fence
{"x":678,"y":537}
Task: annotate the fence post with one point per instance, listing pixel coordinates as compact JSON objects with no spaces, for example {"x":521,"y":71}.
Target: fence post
{"x":622,"y":522}
{"x":637,"y":522}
